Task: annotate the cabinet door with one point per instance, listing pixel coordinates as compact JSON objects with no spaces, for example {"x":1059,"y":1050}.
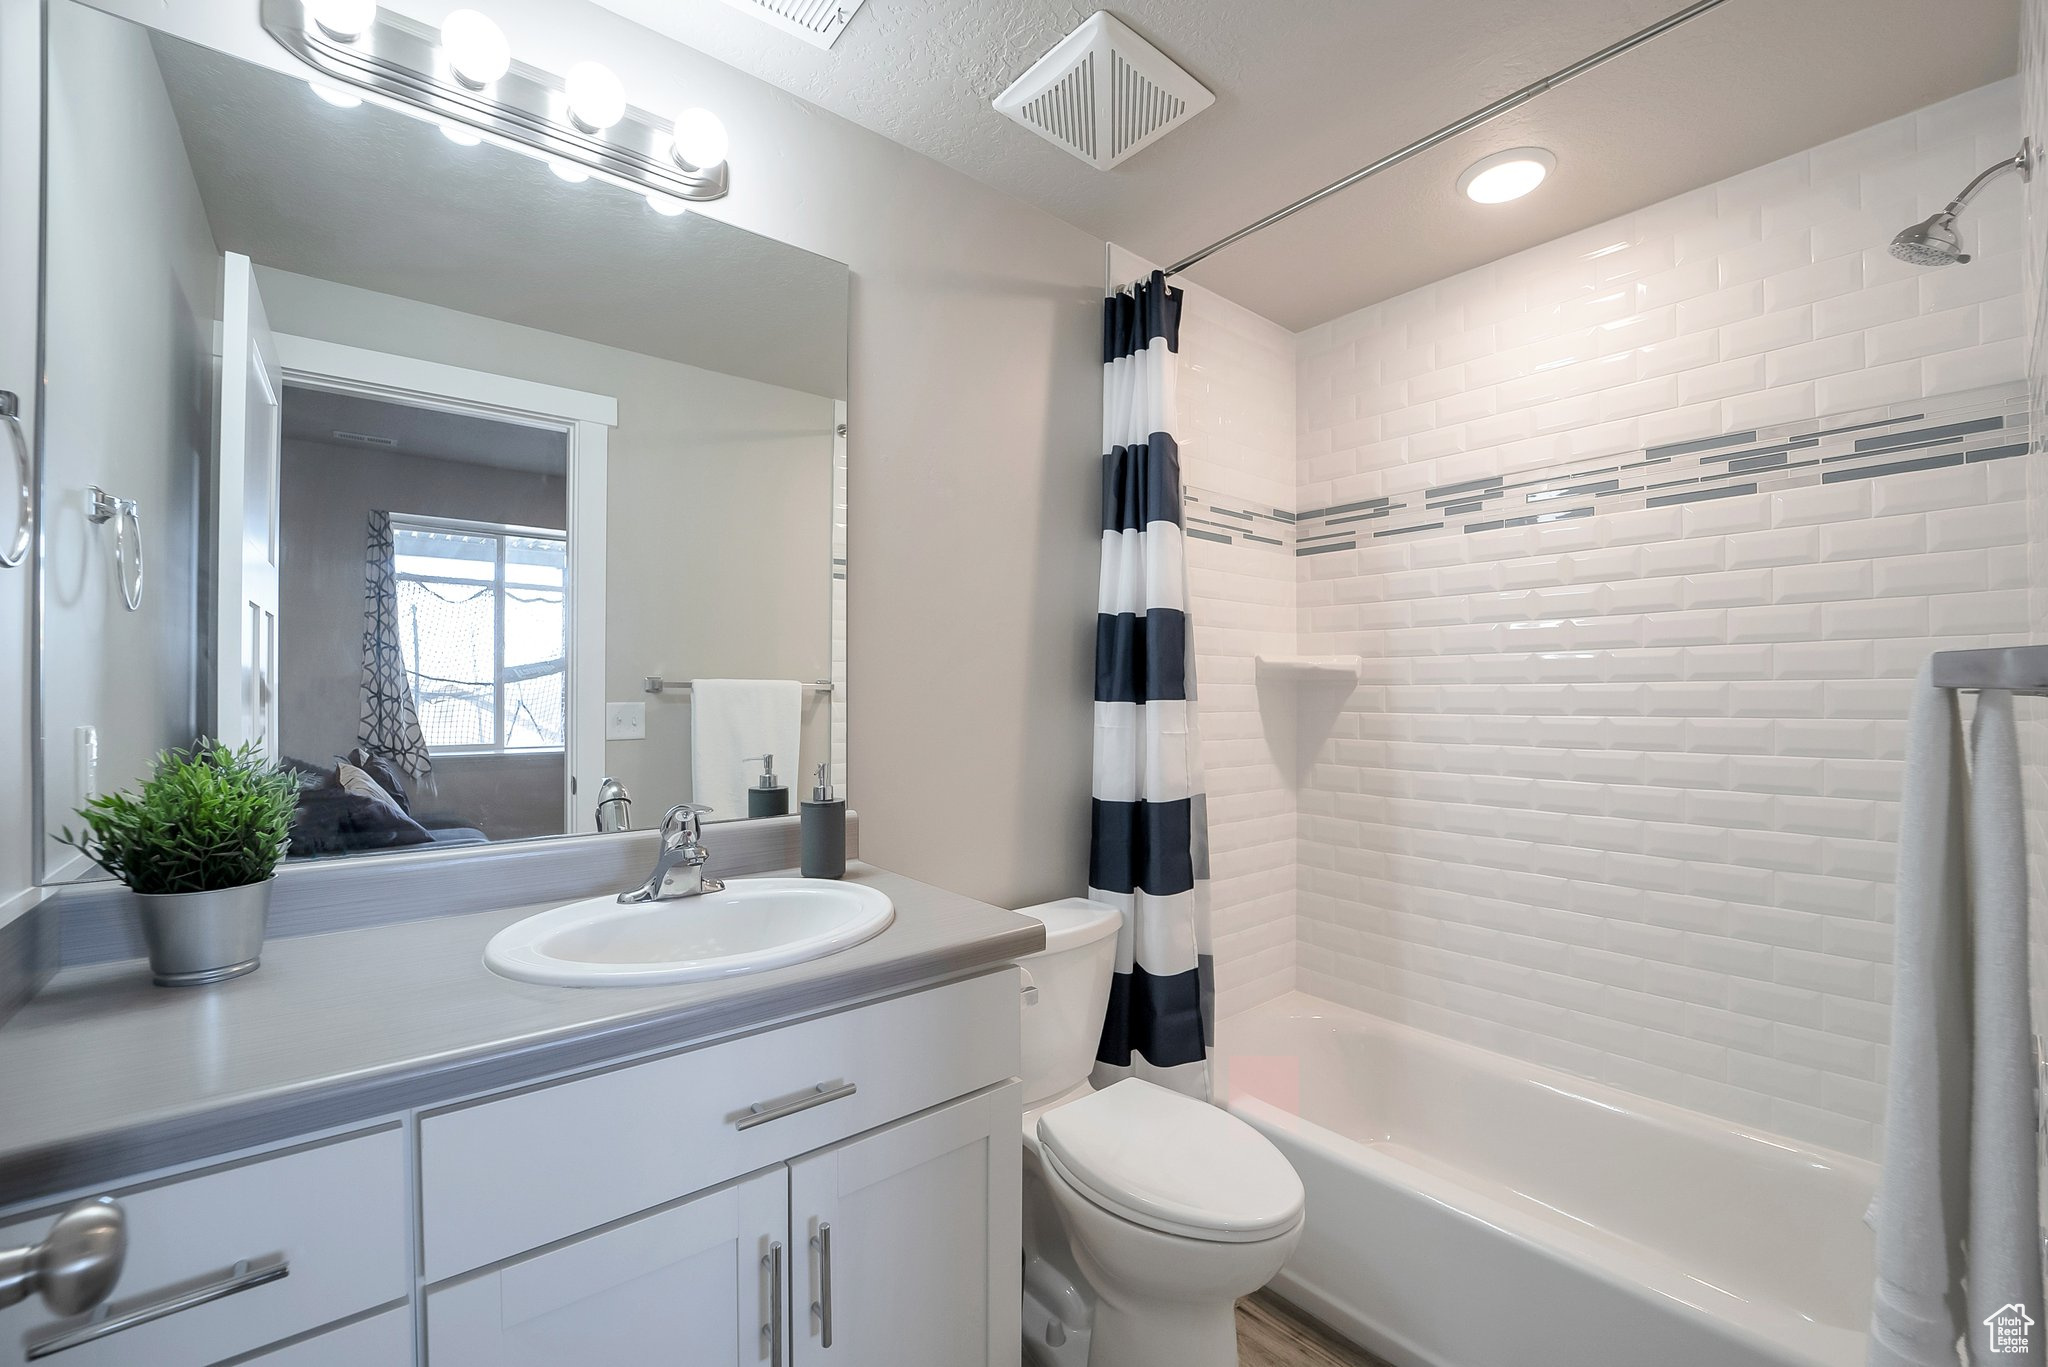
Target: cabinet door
{"x":380,"y":1341}
{"x":908,"y":1241}
{"x":691,"y":1284}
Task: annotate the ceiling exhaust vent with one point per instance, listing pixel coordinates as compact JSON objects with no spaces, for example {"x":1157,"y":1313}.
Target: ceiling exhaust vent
{"x":365,"y":439}
{"x":1103,"y":93}
{"x":817,"y":22}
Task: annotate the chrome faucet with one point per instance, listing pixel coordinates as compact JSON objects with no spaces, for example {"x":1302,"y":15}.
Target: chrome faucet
{"x":679,"y":871}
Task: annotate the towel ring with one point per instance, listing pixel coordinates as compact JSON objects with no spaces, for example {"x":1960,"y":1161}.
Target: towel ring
{"x":24,"y":481}
{"x":101,"y":507}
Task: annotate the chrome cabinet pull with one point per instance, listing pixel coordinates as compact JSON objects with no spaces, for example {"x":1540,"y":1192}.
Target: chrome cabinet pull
{"x":24,"y":482}
{"x":773,"y":1328}
{"x":822,"y":1307}
{"x":760,"y":1113}
{"x":243,"y":1276}
{"x":76,"y":1264}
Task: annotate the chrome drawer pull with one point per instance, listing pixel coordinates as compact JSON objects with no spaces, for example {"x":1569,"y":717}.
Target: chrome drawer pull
{"x":243,"y":1276}
{"x":822,"y":1307}
{"x":760,"y":1113}
{"x":773,"y":1328}
{"x":24,"y":483}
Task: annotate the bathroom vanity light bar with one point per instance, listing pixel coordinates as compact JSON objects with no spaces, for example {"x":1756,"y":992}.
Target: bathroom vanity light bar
{"x":410,"y":64}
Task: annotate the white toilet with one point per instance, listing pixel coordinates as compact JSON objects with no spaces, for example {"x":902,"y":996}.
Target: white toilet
{"x":1146,"y":1213}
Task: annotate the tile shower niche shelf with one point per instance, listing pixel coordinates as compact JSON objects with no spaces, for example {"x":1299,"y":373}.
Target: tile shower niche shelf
{"x":1309,"y":669}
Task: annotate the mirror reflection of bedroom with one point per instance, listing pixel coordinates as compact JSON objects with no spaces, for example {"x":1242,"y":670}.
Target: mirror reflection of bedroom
{"x":423,"y":617}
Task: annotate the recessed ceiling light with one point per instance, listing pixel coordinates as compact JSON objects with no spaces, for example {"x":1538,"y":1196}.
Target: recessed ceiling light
{"x":1506,"y":175}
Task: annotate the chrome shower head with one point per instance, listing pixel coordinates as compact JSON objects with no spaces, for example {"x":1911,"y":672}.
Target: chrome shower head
{"x":1933,"y":243}
{"x":1936,"y":241}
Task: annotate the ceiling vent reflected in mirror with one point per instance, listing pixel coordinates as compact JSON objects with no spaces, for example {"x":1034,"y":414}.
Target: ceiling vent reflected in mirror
{"x":1103,"y":93}
{"x":817,"y":22}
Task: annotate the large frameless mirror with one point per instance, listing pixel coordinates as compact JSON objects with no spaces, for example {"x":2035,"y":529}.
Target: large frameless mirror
{"x":478,"y":491}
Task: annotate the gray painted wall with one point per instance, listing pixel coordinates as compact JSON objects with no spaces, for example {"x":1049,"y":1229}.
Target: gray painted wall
{"x":133,"y":282}
{"x":329,"y":491}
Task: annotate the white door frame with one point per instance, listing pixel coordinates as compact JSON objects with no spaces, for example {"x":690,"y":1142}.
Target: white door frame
{"x":586,"y":421}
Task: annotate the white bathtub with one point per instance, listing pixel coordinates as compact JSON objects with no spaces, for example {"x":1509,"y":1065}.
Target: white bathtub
{"x":1469,"y":1210}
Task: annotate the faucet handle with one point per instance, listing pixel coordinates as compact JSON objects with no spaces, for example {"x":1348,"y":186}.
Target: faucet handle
{"x":681,"y":825}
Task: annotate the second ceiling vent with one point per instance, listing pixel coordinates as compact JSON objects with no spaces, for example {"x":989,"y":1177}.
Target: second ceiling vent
{"x":1103,"y":93}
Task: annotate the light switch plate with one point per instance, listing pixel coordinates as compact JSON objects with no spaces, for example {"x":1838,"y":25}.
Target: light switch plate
{"x":625,"y":721}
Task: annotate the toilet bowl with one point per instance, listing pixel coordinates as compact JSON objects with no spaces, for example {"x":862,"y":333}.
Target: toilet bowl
{"x":1147,"y":1213}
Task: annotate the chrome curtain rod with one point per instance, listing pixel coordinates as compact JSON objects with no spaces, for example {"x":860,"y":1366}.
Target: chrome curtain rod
{"x":1451,"y":130}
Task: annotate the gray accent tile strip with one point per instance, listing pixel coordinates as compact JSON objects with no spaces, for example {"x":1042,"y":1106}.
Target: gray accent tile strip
{"x":1897,"y":467}
{"x":1603,"y":486}
{"x":1201,"y":535}
{"x":1466,"y":487}
{"x":1686,"y":448}
{"x":1743,"y":466}
{"x":1404,"y":531}
{"x":1984,"y":453}
{"x":1701,"y":495}
{"x":1928,"y":436}
{"x":1319,"y":550}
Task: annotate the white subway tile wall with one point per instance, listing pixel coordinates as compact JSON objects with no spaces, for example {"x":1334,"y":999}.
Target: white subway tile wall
{"x":1237,"y":445}
{"x":1619,"y":792}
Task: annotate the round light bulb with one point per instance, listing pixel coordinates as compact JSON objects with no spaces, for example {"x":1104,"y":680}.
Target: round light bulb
{"x":668,"y":206}
{"x":568,"y":170}
{"x":342,"y":20}
{"x":475,"y":47}
{"x":597,"y":99}
{"x":336,"y":96}
{"x":459,"y":135}
{"x":699,"y":139}
{"x":1505,"y":175}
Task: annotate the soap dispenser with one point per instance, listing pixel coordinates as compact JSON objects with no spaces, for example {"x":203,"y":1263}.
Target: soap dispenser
{"x":821,"y":831}
{"x":768,"y":797}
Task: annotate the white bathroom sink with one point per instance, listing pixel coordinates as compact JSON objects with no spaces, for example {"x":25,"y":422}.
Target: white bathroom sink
{"x":755,"y":924}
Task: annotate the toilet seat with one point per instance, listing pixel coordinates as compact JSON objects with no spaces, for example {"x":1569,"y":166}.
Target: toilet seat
{"x":1171,"y":1163}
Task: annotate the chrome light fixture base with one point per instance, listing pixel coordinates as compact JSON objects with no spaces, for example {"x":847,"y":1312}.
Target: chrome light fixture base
{"x":402,"y":61}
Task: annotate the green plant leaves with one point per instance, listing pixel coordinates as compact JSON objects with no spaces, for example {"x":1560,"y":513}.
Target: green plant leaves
{"x":208,"y":818}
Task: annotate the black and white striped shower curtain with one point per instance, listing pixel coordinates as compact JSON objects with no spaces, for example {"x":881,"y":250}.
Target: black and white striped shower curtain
{"x":1149,"y":855}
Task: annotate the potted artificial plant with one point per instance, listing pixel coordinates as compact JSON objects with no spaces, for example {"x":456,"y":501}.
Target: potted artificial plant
{"x":199,"y":847}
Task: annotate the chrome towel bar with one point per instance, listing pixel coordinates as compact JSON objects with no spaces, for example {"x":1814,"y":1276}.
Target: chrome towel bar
{"x":2015,"y":669}
{"x":656,"y":683}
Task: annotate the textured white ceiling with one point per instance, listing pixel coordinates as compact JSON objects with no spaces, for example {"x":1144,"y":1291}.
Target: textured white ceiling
{"x":377,"y":199}
{"x":322,"y":415}
{"x":1309,"y":90}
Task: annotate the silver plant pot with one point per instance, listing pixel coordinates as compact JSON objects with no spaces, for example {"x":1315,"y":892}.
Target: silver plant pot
{"x":204,"y":937}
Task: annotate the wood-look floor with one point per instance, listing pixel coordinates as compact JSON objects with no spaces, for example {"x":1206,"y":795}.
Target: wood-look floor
{"x":1272,"y":1333}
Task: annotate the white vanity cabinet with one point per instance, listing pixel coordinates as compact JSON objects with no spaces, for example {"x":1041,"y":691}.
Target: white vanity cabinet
{"x":907,"y":1241}
{"x":835,"y":1191}
{"x":700,"y":1282}
{"x":232,"y":1258}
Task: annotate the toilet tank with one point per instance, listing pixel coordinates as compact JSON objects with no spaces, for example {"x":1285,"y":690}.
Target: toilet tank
{"x":1063,"y":1026}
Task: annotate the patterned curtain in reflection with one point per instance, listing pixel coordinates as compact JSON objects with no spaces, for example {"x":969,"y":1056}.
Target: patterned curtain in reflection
{"x":391,"y":723}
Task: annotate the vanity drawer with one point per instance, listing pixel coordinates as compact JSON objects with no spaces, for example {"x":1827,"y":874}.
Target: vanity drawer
{"x":502,"y":1176}
{"x":334,"y":1214}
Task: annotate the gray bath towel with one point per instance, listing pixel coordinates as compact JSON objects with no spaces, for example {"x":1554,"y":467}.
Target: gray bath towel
{"x":2004,"y":1250}
{"x":1921,"y":1211}
{"x":1955,"y":1203}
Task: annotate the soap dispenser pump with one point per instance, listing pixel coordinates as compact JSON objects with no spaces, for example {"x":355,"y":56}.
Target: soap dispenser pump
{"x":821,"y":831}
{"x":768,"y":797}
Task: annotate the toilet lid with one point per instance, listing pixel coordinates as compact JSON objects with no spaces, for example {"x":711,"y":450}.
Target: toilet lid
{"x":1172,"y":1163}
